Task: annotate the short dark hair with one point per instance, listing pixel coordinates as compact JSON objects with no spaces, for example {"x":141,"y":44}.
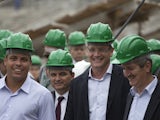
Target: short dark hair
{"x":17,"y":50}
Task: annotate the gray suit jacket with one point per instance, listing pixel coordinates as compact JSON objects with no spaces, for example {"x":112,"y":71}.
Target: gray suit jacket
{"x":153,"y":109}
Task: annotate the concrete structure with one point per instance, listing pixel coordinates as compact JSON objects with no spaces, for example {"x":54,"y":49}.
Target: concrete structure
{"x":36,"y":17}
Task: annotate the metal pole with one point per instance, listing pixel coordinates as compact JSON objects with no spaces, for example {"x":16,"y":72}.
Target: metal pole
{"x":129,"y":18}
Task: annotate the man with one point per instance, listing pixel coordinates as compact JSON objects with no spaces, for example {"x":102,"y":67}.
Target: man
{"x":54,"y":39}
{"x":143,"y":101}
{"x":35,"y":67}
{"x":100,"y":92}
{"x":2,"y":55}
{"x":4,"y":34}
{"x":60,"y":73}
{"x":154,"y":45}
{"x":114,"y":45}
{"x":21,"y":97}
{"x":77,"y":48}
{"x":155,"y":65}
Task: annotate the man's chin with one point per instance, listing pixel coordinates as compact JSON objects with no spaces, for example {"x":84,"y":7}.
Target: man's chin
{"x":59,"y":87}
{"x":18,"y":77}
{"x":131,"y":82}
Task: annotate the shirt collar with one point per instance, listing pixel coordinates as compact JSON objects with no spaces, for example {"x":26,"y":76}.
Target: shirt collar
{"x":108,"y":71}
{"x":25,"y":87}
{"x":1,"y":75}
{"x":65,"y":95}
{"x":73,"y":61}
{"x":27,"y":84}
{"x":2,"y":82}
{"x":149,"y":88}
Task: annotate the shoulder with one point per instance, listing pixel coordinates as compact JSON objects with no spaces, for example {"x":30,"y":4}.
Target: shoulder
{"x":117,"y":73}
{"x":80,"y":67}
{"x":117,"y":69}
{"x":80,"y":81}
{"x":37,"y":88}
{"x":84,"y":75}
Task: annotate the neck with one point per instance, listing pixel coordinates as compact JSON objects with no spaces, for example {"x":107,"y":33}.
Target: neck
{"x":62,"y":92}
{"x":13,"y":85}
{"x":148,"y":80}
{"x":99,"y":72}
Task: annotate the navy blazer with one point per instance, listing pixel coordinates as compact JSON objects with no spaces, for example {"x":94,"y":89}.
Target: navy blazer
{"x":78,"y":106}
{"x":153,"y":109}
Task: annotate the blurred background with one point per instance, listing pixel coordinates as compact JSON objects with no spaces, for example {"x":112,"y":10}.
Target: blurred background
{"x":36,"y":17}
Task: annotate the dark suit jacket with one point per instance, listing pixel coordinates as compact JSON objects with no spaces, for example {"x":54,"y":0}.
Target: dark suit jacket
{"x":78,"y":106}
{"x":53,"y":95}
{"x":153,"y":109}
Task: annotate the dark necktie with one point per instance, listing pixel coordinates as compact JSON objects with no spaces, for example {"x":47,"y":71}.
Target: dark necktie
{"x":58,"y":108}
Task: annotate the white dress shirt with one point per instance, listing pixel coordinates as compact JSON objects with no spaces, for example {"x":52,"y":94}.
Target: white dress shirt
{"x":63,"y":103}
{"x":98,"y":95}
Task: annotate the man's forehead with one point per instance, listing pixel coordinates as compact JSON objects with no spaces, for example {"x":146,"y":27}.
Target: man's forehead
{"x":99,"y":44}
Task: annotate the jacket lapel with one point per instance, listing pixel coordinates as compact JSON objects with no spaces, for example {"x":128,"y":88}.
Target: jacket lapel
{"x":53,"y":95}
{"x":85,"y":94}
{"x":128,"y":106}
{"x":155,"y":100}
{"x":113,"y":86}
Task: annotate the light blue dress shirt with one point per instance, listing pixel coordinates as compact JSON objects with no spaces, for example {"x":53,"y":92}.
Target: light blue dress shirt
{"x":98,"y":94}
{"x":141,"y":101}
{"x":31,"y":102}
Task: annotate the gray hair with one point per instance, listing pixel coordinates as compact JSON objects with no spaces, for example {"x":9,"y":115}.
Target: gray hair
{"x":142,"y":60}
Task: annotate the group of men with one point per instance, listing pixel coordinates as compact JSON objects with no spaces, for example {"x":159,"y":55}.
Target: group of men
{"x":118,"y":82}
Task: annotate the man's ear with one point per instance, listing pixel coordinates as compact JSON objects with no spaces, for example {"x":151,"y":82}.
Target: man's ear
{"x":47,"y":72}
{"x":73,"y":74}
{"x":148,"y":66}
{"x":111,"y":49}
{"x":4,"y":61}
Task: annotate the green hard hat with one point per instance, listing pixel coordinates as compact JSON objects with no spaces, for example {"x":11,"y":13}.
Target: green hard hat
{"x":20,"y":41}
{"x":155,"y":62}
{"x":113,"y":55}
{"x":76,"y":38}
{"x":2,"y":48}
{"x":153,"y":44}
{"x":55,"y":38}
{"x":115,"y":44}
{"x":5,"y":34}
{"x":60,"y":58}
{"x":99,"y":32}
{"x":130,"y":47}
{"x":36,"y":60}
